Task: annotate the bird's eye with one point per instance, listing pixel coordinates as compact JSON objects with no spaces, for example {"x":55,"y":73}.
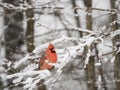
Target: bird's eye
{"x":52,"y":50}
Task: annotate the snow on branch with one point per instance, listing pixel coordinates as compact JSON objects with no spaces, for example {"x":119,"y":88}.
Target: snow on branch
{"x":45,"y":5}
{"x":34,"y":76}
{"x":40,"y":48}
{"x":29,"y":73}
{"x":115,"y":33}
{"x":76,"y":28}
{"x":25,"y":6}
{"x":30,"y":76}
{"x":23,"y":60}
{"x":97,"y":9}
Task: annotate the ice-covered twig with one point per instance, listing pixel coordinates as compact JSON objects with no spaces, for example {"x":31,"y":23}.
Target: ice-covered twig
{"x":29,"y":73}
{"x":37,"y":50}
{"x":114,"y":33}
{"x":79,"y":29}
{"x":22,"y":61}
{"x":87,"y":58}
{"x":65,"y":55}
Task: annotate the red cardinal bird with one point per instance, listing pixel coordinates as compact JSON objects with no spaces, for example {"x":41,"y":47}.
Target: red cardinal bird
{"x":49,"y":57}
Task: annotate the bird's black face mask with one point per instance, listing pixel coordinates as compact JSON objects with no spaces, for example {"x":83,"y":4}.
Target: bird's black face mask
{"x":52,"y":50}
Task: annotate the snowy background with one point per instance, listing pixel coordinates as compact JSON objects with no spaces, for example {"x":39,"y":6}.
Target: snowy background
{"x":86,"y":36}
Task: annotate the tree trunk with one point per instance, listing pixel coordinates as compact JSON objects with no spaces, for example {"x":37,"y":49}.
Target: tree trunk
{"x":30,"y":36}
{"x":113,"y":17}
{"x":88,"y":4}
{"x":1,"y":85}
{"x":77,"y":19}
{"x":30,"y":28}
{"x":114,"y":27}
{"x":102,"y":84}
{"x":117,"y":71}
{"x":13,"y":34}
{"x":90,"y":69}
